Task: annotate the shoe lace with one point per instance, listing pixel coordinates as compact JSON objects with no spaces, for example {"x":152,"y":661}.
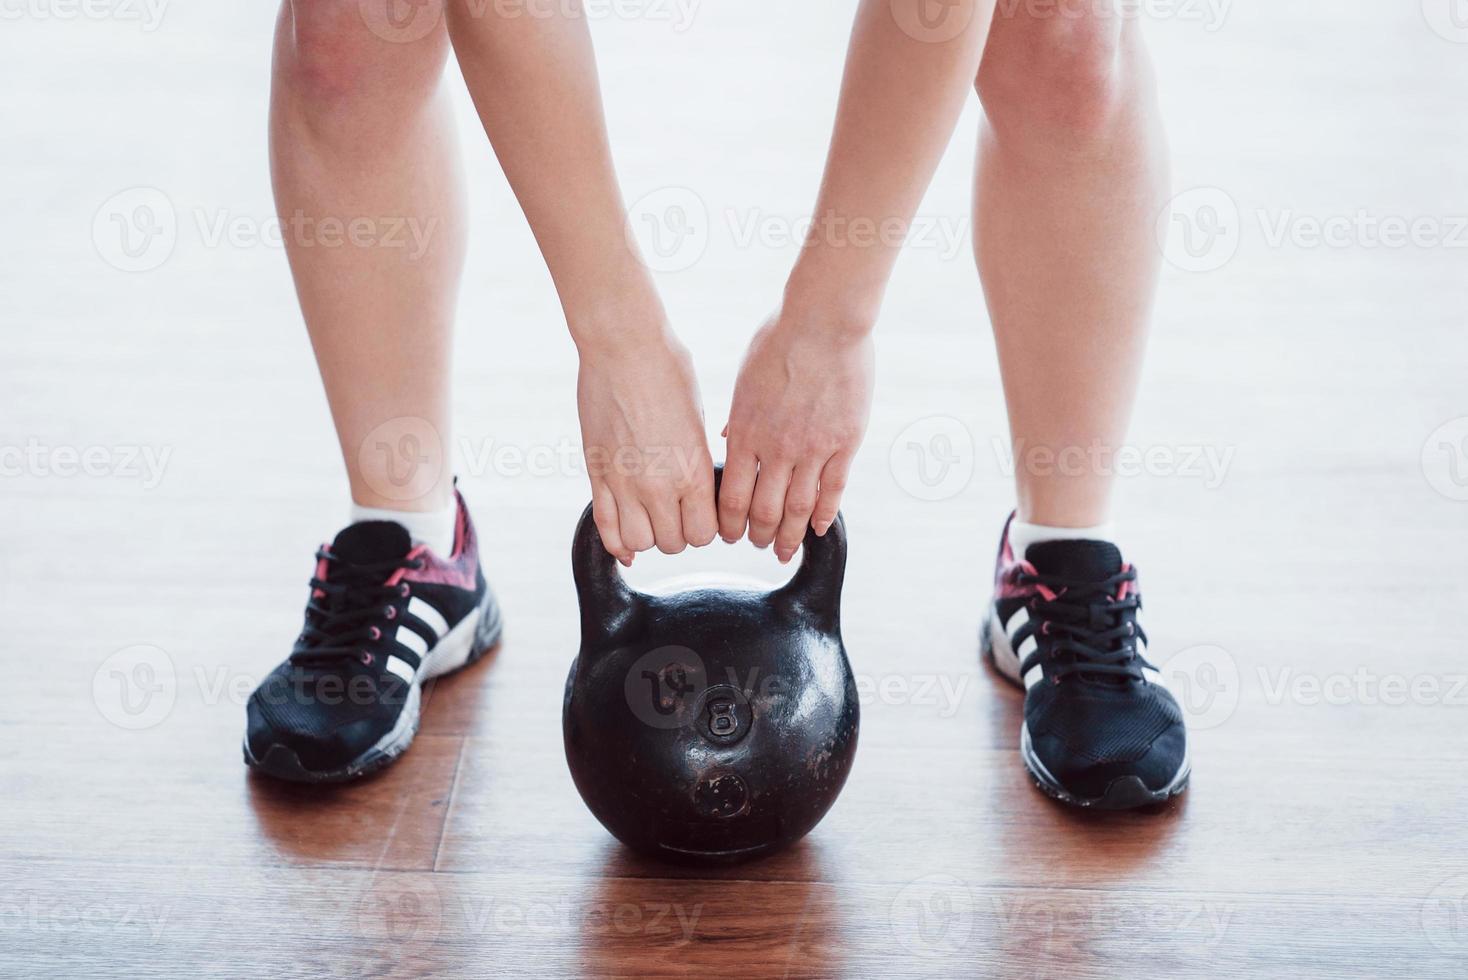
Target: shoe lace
{"x":1090,"y":631}
{"x":345,"y":608}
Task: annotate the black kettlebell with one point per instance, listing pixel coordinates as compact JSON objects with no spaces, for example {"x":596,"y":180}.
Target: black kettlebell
{"x":714,"y":725}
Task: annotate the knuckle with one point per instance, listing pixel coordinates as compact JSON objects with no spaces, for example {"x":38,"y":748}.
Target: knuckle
{"x":731,"y":502}
{"x":799,"y":506}
{"x":765,"y":515}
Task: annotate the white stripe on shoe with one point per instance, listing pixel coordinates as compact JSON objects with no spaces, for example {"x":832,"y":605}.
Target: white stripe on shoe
{"x":429,"y":615}
{"x":1016,"y":619}
{"x":399,"y":666}
{"x":411,"y":640}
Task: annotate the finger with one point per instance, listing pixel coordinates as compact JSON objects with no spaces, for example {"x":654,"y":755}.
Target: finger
{"x":800,"y":501}
{"x":768,"y":506}
{"x":735,"y":493}
{"x":604,"y":513}
{"x":700,"y":517}
{"x":636,"y":526}
{"x":667,"y":525}
{"x":833,"y":485}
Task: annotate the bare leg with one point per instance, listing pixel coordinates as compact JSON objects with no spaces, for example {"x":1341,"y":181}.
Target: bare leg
{"x":1072,"y":173}
{"x":369,"y":190}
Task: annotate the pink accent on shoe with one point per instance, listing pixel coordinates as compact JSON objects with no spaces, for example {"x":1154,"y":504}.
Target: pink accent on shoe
{"x":321,"y":564}
{"x":461,"y":570}
{"x":1127,"y":588}
{"x":1008,"y":586}
{"x":1007,"y":571}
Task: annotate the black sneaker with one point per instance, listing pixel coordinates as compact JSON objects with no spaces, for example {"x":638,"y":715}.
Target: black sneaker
{"x":1100,"y":729}
{"x":383,"y":617}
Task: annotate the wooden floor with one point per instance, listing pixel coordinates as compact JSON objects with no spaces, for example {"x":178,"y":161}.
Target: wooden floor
{"x":1307,"y":589}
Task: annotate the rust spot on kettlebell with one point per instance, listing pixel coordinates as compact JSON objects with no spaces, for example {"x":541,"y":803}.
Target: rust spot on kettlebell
{"x":724,"y":795}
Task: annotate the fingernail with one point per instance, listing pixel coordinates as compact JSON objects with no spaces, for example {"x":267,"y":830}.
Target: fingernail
{"x":822,"y":528}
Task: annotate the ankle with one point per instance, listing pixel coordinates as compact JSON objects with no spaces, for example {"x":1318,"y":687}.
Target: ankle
{"x":1022,"y":534}
{"x":435,"y":528}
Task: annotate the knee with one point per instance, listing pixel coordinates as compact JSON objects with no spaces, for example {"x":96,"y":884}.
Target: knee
{"x":1062,"y":78}
{"x":325,"y":49}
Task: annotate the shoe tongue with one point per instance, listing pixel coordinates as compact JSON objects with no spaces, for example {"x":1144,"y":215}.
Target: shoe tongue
{"x":1085,"y":561}
{"x":372,"y":542}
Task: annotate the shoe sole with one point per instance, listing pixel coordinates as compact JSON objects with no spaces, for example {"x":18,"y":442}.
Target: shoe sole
{"x":463,"y":646}
{"x":1122,"y":793}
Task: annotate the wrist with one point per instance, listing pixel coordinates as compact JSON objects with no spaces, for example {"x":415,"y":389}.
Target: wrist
{"x":836,"y":315}
{"x":617,"y":321}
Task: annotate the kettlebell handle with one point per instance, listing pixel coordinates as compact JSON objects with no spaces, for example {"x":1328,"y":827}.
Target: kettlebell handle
{"x":608,"y":602}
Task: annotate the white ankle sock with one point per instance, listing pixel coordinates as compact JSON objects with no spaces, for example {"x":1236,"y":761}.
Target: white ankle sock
{"x":434,"y":528}
{"x":1022,"y":535}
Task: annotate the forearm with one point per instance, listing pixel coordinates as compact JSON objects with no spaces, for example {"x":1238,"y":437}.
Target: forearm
{"x":901,"y":96}
{"x":532,"y":73}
